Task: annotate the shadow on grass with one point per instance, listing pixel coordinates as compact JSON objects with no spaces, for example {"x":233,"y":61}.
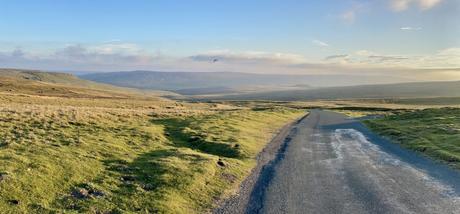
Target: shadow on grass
{"x":174,"y":132}
{"x":151,"y":175}
{"x":145,"y":180}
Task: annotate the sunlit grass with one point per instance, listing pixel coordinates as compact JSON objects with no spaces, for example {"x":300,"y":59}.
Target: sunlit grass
{"x":433,"y":132}
{"x":64,"y":154}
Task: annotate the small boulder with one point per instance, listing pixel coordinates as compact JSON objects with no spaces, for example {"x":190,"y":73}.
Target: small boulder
{"x":3,"y":176}
{"x":80,"y":193}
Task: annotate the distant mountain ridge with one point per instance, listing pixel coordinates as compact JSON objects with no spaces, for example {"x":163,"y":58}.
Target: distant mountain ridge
{"x":232,"y":80}
{"x":399,"y":90}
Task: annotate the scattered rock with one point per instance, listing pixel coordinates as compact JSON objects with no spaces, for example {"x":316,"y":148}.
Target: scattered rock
{"x":147,"y":187}
{"x":80,"y":193}
{"x":3,"y":176}
{"x":221,"y":163}
{"x":96,"y":193}
{"x":89,"y":192}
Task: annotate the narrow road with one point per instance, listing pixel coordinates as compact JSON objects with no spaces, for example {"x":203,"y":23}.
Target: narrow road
{"x":333,"y":164}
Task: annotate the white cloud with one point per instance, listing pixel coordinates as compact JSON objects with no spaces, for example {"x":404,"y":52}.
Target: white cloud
{"x":113,"y":41}
{"x":410,"y":28}
{"x":338,"y":56}
{"x":446,"y":58}
{"x":349,"y":16}
{"x":320,"y":43}
{"x":427,"y":4}
{"x":364,"y":53}
{"x":117,"y":48}
{"x":401,"y":5}
{"x":95,"y":58}
{"x":102,"y":54}
{"x":226,"y":56}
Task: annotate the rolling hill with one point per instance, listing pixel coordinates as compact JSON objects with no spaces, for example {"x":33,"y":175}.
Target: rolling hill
{"x":63,"y":84}
{"x":74,"y":146}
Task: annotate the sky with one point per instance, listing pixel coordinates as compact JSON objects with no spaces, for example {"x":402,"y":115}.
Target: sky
{"x":418,"y":39}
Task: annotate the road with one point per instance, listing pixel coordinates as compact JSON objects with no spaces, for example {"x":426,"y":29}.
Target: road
{"x":333,"y":164}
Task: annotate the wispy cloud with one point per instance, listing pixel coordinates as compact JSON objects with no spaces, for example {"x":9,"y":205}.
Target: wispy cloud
{"x":427,"y":4}
{"x":129,"y":57}
{"x":445,"y":59}
{"x":401,"y":5}
{"x":320,"y":43}
{"x":348,"y":16}
{"x":339,"y":56}
{"x":410,"y":28}
{"x":226,"y":56}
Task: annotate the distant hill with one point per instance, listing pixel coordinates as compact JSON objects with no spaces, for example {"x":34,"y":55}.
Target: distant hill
{"x":205,"y":81}
{"x":52,"y":77}
{"x":63,"y":84}
{"x":210,"y":90}
{"x":400,"y":90}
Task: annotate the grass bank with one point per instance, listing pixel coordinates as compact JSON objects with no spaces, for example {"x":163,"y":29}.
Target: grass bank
{"x":433,"y":132}
{"x":124,"y":155}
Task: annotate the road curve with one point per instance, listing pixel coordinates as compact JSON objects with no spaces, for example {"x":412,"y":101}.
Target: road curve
{"x":333,"y":164}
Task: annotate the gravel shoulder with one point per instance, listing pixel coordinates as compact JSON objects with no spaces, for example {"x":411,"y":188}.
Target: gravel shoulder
{"x":238,"y":203}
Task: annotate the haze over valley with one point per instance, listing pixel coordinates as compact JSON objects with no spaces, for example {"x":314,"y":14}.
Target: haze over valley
{"x":230,"y":107}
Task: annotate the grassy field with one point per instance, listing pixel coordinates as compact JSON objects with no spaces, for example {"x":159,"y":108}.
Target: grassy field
{"x":70,"y":146}
{"x":121,"y":152}
{"x":433,"y":132}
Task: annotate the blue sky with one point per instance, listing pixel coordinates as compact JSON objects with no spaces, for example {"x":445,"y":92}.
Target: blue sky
{"x":251,"y":36}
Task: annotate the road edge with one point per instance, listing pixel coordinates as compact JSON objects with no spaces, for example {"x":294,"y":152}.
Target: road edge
{"x":238,"y":202}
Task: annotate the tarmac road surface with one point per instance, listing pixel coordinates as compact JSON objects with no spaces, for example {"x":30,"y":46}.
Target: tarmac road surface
{"x":333,"y":164}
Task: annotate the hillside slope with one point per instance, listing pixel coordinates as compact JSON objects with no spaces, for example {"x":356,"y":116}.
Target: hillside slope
{"x":68,"y":149}
{"x":63,"y":84}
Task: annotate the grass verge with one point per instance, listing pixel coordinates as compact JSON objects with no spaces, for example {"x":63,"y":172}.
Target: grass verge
{"x":433,"y":132}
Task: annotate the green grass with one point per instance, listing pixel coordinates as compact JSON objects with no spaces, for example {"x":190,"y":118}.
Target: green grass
{"x":120,"y":155}
{"x":433,"y":132}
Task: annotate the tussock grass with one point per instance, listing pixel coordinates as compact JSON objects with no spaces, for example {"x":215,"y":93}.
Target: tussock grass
{"x":125,"y":155}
